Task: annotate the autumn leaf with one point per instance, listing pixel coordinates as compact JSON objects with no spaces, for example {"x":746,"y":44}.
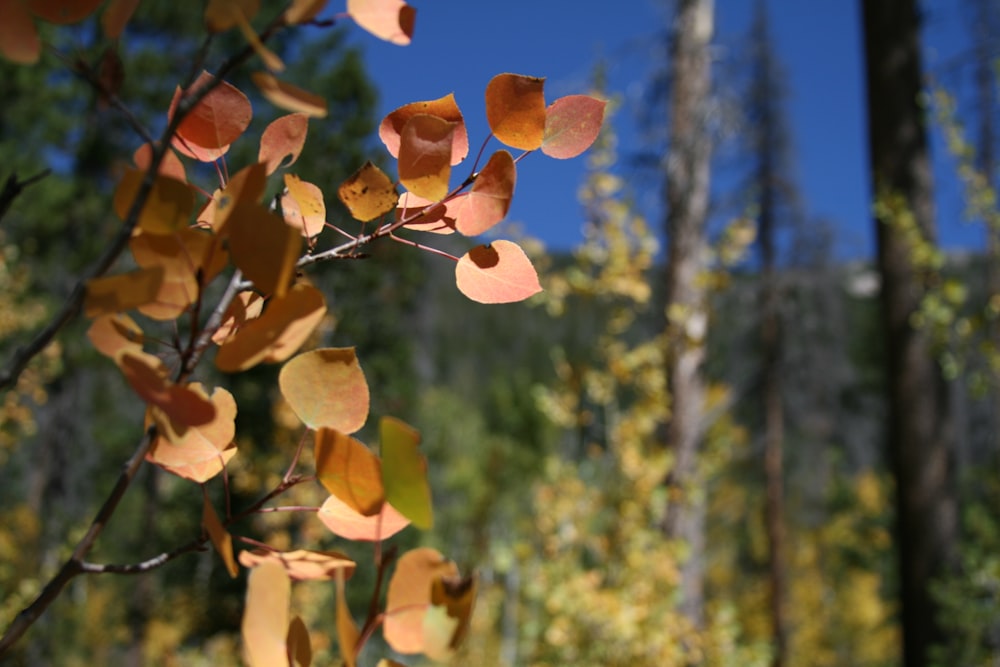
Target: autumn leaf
{"x":62,"y":12}
{"x":170,"y":166}
{"x":263,"y":246}
{"x":404,"y":472}
{"x":297,"y":643}
{"x":116,"y":16}
{"x":282,"y":141}
{"x":572,"y":124}
{"x":445,"y":108}
{"x":19,"y":40}
{"x":346,"y":522}
{"x":487,"y":203}
{"x":425,"y":155}
{"x":303,"y":564}
{"x":428,"y":216}
{"x":447,"y":621}
{"x":121,"y":292}
{"x":409,"y":597}
{"x":266,"y":615}
{"x":347,"y":630}
{"x":214,"y":123}
{"x":246,"y":306}
{"x":515,"y":110}
{"x":391,"y":20}
{"x":303,"y":11}
{"x":349,"y":470}
{"x":201,"y":451}
{"x":168,"y":206}
{"x":496,"y":273}
{"x":220,"y":537}
{"x":288,"y":97}
{"x":303,"y":206}
{"x":368,"y":193}
{"x":114,"y":332}
{"x":326,"y":388}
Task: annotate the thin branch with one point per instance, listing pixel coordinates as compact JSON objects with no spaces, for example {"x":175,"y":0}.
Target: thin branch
{"x":12,"y":188}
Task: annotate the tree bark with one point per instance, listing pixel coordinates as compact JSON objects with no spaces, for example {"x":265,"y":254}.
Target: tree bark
{"x":919,"y":441}
{"x":687,"y":191}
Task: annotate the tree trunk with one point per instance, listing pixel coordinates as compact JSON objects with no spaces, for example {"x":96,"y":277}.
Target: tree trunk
{"x":918,"y":431}
{"x":687,"y":190}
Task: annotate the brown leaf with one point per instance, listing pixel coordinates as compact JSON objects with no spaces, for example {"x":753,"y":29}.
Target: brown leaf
{"x":263,"y":247}
{"x":349,"y":470}
{"x":221,"y":539}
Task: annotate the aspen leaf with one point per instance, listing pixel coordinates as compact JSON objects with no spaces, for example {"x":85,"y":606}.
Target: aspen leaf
{"x":303,"y":206}
{"x":116,"y":16}
{"x":221,"y":15}
{"x":347,"y":630}
{"x":409,"y":597}
{"x":263,"y":247}
{"x":113,"y":332}
{"x":282,"y":141}
{"x":221,"y":539}
{"x":125,"y":291}
{"x":200,"y":452}
{"x":184,"y":255}
{"x":276,"y":334}
{"x":170,"y":166}
{"x":349,"y":470}
{"x":247,"y":185}
{"x":572,"y":124}
{"x":446,"y":108}
{"x":62,"y":12}
{"x":487,"y":203}
{"x":497,"y":273}
{"x":168,"y":206}
{"x":515,"y":110}
{"x":214,"y":123}
{"x":288,"y":97}
{"x":246,"y":306}
{"x":174,"y":297}
{"x":404,"y":472}
{"x":303,"y":564}
{"x":297,"y":643}
{"x":368,"y":193}
{"x":183,"y":405}
{"x":428,"y":216}
{"x":447,"y":621}
{"x":350,"y":524}
{"x":326,"y":388}
{"x":425,"y":155}
{"x":19,"y":40}
{"x":303,"y":11}
{"x":265,"y":617}
{"x":391,"y":20}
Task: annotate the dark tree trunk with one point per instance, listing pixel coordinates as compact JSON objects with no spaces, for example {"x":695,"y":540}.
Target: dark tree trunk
{"x":919,"y":441}
{"x":687,"y":190}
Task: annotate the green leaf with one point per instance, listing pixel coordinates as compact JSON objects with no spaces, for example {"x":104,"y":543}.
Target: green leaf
{"x":404,"y":472}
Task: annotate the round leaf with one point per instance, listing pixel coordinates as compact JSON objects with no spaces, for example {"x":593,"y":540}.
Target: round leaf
{"x":572,"y":124}
{"x":496,"y":273}
{"x":515,"y":110}
{"x":326,"y":388}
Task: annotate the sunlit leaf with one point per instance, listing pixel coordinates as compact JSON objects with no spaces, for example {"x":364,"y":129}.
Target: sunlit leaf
{"x":62,"y":12}
{"x":183,"y":405}
{"x":404,"y":472}
{"x":114,"y":332}
{"x":221,"y":539}
{"x":265,"y":618}
{"x":116,"y":16}
{"x":282,"y":141}
{"x":350,"y":524}
{"x":168,"y":206}
{"x":572,"y":124}
{"x":277,"y":333}
{"x":263,"y":247}
{"x":170,"y":166}
{"x":349,"y":470}
{"x":298,"y":644}
{"x":425,"y":156}
{"x":288,"y":97}
{"x":214,"y":123}
{"x":19,"y":40}
{"x":303,"y":564}
{"x":497,"y":273}
{"x":391,"y":20}
{"x":447,"y":621}
{"x":427,"y":215}
{"x":409,"y":597}
{"x":200,"y":452}
{"x":121,"y":292}
{"x":368,"y":193}
{"x":347,"y":630}
{"x":487,"y":203}
{"x":446,"y":108}
{"x":515,"y":110}
{"x":246,"y":306}
{"x":326,"y":388}
{"x":303,"y":206}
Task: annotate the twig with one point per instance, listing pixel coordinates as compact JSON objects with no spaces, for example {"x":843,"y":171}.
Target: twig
{"x":13,"y":187}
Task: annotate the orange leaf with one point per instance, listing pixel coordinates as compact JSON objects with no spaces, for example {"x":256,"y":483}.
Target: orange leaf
{"x":347,"y":630}
{"x":409,"y":597}
{"x":221,"y":539}
{"x":114,"y":332}
{"x":303,"y":565}
{"x":391,"y":20}
{"x":215,"y":122}
{"x":425,"y":155}
{"x":288,"y":97}
{"x":263,"y":247}
{"x":303,"y":206}
{"x":515,"y":110}
{"x":349,"y":470}
{"x":303,"y":11}
{"x":404,"y":472}
{"x":265,"y":617}
{"x":170,"y":166}
{"x":246,"y":306}
{"x":247,"y":185}
{"x":446,"y":108}
{"x":368,"y":193}
{"x":346,"y":522}
{"x":222,"y":15}
{"x":428,"y":216}
{"x":447,"y":621}
{"x":275,"y":335}
{"x":297,"y":643}
{"x":116,"y":16}
{"x":326,"y":388}
{"x":19,"y":41}
{"x":489,"y":199}
{"x":202,"y":451}
{"x":496,"y":273}
{"x":282,"y":141}
{"x":185,"y":255}
{"x":183,"y":405}
{"x":125,"y":291}
{"x":63,"y":12}
{"x":167,"y":208}
{"x":572,"y":124}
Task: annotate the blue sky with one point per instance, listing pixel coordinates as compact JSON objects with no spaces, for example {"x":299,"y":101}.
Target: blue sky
{"x":459,"y":45}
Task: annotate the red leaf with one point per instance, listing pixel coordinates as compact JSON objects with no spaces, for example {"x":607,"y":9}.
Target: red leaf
{"x":282,"y":141}
{"x":572,"y":123}
{"x":214,"y":123}
{"x":446,"y":108}
{"x":489,"y":200}
{"x":496,"y":273}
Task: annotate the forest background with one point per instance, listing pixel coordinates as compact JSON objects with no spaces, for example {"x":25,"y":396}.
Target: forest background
{"x":543,"y":423}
